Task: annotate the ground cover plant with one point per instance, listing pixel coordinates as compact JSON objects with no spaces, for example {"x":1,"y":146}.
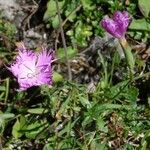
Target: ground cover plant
{"x":75,"y":75}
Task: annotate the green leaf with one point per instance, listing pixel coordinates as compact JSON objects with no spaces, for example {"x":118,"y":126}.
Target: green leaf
{"x":55,"y":22}
{"x":70,"y":12}
{"x":67,"y":128}
{"x":131,"y":94}
{"x":19,"y":125}
{"x":98,"y":146}
{"x":95,"y":111}
{"x":2,"y":126}
{"x":57,"y":77}
{"x":87,"y":121}
{"x":140,"y":24}
{"x":128,"y":54}
{"x":149,"y":101}
{"x":144,"y":6}
{"x":48,"y":147}
{"x":37,"y":110}
{"x":51,"y":9}
{"x":70,"y":51}
{"x":117,"y":89}
{"x":2,"y":88}
{"x":87,"y":4}
{"x":123,"y":91}
{"x":85,"y":102}
{"x":82,"y":33}
{"x":6,"y":116}
{"x":101,"y":125}
{"x":15,"y":129}
{"x":33,"y":129}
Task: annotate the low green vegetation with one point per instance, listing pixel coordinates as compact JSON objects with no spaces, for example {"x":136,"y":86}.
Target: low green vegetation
{"x":113,"y":114}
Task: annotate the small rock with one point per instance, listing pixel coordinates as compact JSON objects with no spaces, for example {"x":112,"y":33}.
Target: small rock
{"x":9,"y":9}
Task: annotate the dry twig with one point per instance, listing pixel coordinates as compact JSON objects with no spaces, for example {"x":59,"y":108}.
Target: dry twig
{"x":64,"y":41}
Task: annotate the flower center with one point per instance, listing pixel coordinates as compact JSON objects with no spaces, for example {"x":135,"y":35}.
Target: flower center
{"x":32,"y":73}
{"x":29,"y":71}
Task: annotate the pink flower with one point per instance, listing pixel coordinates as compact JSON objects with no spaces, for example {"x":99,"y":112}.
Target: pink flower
{"x":117,"y":26}
{"x":32,"y":69}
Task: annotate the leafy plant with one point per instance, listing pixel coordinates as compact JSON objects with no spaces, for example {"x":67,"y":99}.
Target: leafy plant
{"x":65,"y":115}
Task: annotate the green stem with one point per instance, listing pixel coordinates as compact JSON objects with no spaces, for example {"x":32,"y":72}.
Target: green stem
{"x":129,"y":56}
{"x":104,"y":65}
{"x":141,"y":76}
{"x":112,"y":68}
{"x":7,"y":90}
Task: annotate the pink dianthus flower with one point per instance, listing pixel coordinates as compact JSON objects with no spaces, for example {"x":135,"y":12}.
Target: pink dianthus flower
{"x":117,"y":26}
{"x":32,"y":69}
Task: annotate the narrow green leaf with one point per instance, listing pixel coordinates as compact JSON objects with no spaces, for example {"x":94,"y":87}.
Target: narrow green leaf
{"x":15,"y":130}
{"x":100,"y":108}
{"x":128,"y":54}
{"x":19,"y":125}
{"x":101,"y":124}
{"x":37,"y":110}
{"x":6,"y":116}
{"x":2,"y":126}
{"x":34,"y":129}
{"x":2,"y":88}
{"x":130,"y":58}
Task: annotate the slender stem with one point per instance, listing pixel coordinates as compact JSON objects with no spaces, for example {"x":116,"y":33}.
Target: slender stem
{"x":104,"y":65}
{"x":129,"y":56}
{"x":112,"y":68}
{"x":7,"y":90}
{"x":142,"y":76}
{"x":64,"y":41}
{"x":73,"y":12}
